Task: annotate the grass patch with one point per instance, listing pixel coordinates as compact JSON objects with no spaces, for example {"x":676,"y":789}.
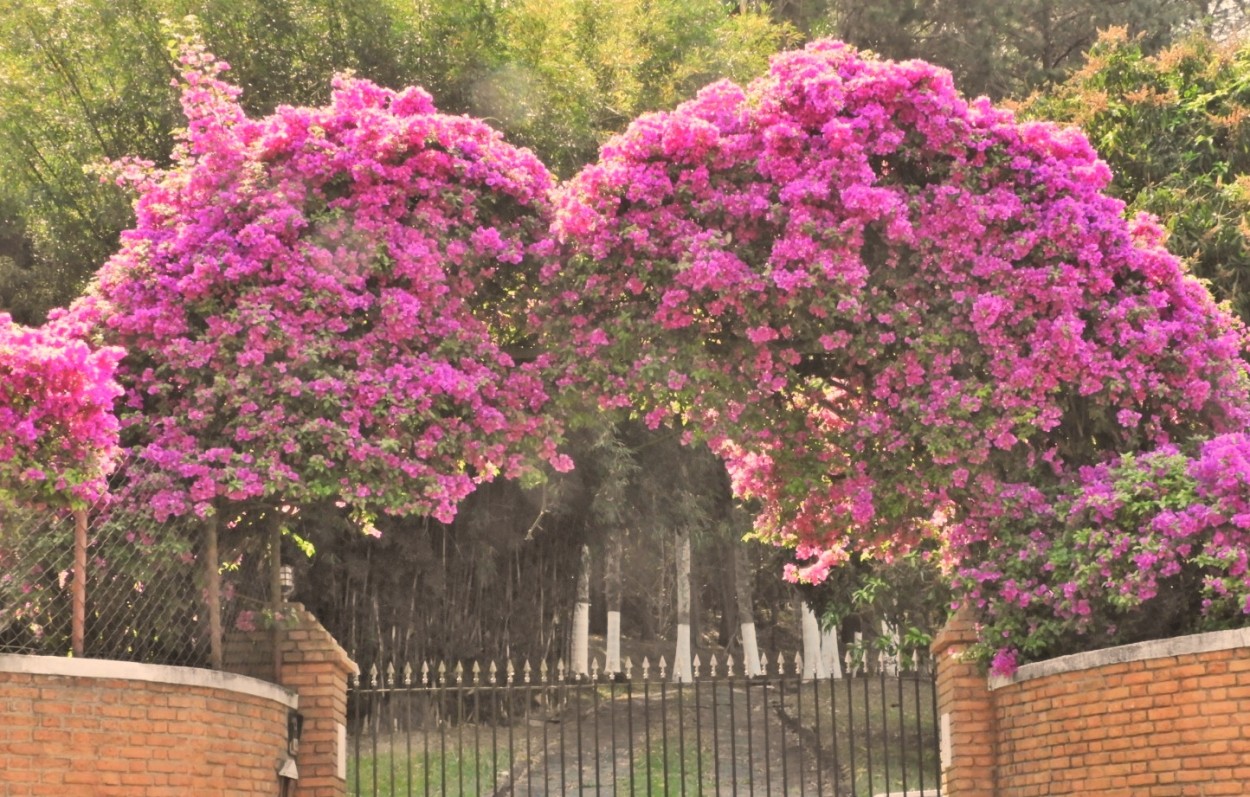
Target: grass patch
{"x":391,"y":771}
{"x":875,"y":734}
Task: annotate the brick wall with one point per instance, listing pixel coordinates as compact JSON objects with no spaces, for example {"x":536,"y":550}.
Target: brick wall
{"x":1157,"y":719}
{"x":82,"y":728}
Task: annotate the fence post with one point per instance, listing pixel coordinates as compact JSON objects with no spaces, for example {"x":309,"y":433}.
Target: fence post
{"x":212,"y":575}
{"x":276,"y":600}
{"x":78,"y":619}
{"x":317,"y":668}
{"x":966,"y":721}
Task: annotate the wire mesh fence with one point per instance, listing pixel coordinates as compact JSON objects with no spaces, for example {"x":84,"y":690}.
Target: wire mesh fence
{"x":146,"y":584}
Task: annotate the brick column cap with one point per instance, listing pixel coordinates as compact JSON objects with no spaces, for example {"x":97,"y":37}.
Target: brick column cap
{"x":325,"y":645}
{"x":959,"y":631}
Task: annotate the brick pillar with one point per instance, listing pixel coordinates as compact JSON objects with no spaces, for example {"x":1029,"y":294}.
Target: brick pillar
{"x":965,"y":714}
{"x":316,"y":668}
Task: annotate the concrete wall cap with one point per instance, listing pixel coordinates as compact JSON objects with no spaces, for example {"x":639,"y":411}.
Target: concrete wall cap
{"x":151,"y":673}
{"x":1141,"y":651}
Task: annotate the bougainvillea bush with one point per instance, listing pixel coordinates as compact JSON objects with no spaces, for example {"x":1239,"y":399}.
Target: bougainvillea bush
{"x":316,"y":304}
{"x":58,"y":433}
{"x":904,"y":320}
{"x":901,"y":316}
{"x":1144,"y":546}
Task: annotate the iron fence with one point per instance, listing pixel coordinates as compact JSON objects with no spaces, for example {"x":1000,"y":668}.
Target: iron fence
{"x":504,"y":730}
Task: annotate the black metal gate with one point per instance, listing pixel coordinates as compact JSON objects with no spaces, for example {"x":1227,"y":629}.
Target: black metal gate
{"x":531,"y":731}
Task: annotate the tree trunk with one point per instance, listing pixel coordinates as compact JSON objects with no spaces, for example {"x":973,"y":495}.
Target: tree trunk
{"x":829,"y":653}
{"x":212,"y":579}
{"x":581,"y":617}
{"x":275,"y":592}
{"x":746,"y":611}
{"x":78,"y":618}
{"x":612,"y":595}
{"x":813,"y":664}
{"x":681,"y":662}
{"x":728,"y":626}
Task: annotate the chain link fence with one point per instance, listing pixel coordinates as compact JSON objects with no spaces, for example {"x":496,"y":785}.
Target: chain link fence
{"x":146,"y":585}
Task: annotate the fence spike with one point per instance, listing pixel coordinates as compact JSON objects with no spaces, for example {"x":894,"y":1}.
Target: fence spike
{"x":490,"y":678}
{"x":442,"y":673}
{"x":646,"y":667}
{"x":629,"y":669}
{"x":542,"y":671}
{"x":459,"y":672}
{"x":663,"y":669}
{"x":712,"y":665}
{"x":373,"y":674}
{"x":407,"y":674}
{"x":525,"y":671}
{"x":763,"y":665}
{"x":390,"y":674}
{"x":560,"y":673}
{"x":695,"y":665}
{"x":729,"y":665}
{"x":798,"y":663}
{"x":509,"y":672}
{"x":425,"y":673}
{"x":594,"y":670}
{"x":477,"y":674}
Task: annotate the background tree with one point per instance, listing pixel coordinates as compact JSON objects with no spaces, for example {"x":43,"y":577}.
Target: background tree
{"x":1175,"y":130}
{"x":996,"y":48}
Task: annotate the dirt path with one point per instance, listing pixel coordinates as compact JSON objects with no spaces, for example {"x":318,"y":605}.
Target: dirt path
{"x":657,"y":740}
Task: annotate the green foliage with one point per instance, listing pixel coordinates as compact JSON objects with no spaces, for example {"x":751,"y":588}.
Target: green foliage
{"x":994,"y":48}
{"x":910,"y":593}
{"x":88,"y":81}
{"x":1175,"y":129}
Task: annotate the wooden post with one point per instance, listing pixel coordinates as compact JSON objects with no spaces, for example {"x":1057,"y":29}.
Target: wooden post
{"x":78,"y":623}
{"x":212,"y":577}
{"x":275,"y":591}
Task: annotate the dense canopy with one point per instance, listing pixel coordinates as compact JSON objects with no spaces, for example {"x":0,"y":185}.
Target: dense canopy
{"x":899,"y":317}
{"x":894,"y":313}
{"x":311,"y":304}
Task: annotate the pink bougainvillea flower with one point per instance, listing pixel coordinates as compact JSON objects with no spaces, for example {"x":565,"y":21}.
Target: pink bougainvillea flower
{"x":58,"y":433}
{"x":889,"y":301}
{"x":314,"y":304}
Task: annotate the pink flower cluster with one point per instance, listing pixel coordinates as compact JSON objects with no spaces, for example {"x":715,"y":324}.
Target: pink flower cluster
{"x":313,"y":304}
{"x":58,"y":434}
{"x":890,"y":310}
{"x":1081,"y":563}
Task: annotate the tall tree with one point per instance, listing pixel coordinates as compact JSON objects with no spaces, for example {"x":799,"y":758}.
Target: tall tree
{"x":996,"y":48}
